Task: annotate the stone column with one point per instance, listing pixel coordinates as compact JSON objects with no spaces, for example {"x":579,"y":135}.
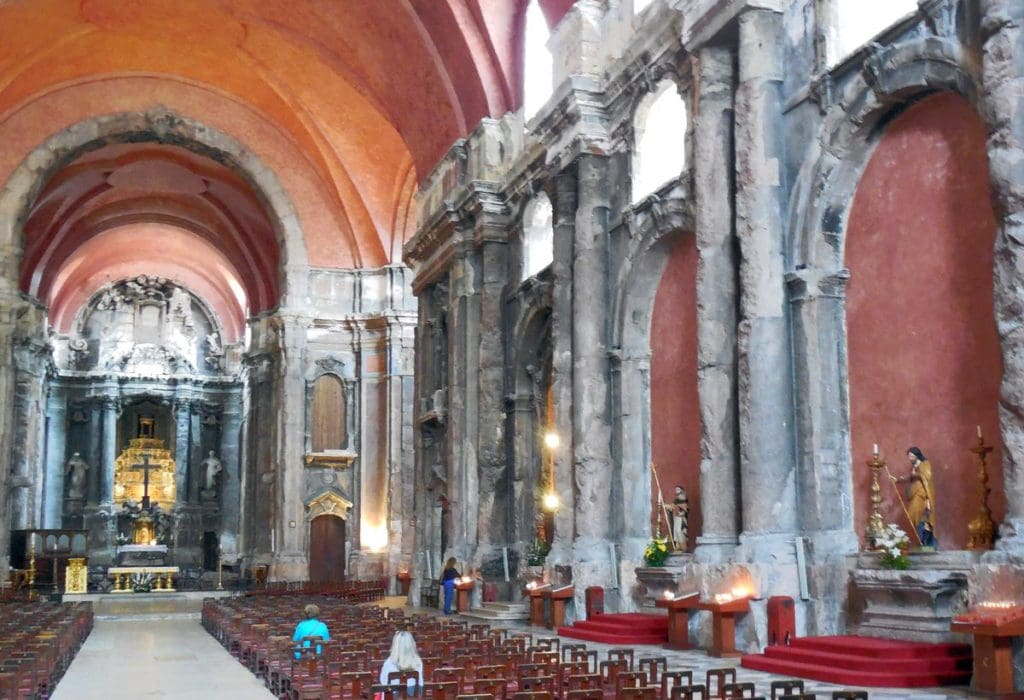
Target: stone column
{"x":182,"y":426}
{"x":1003,"y":111}
{"x":765,"y":394}
{"x":56,"y":434}
{"x":373,"y":433}
{"x":290,"y":559}
{"x":591,"y":427}
{"x":493,"y":505}
{"x":111,"y":410}
{"x":521,"y":409}
{"x":231,"y":477}
{"x":634,"y":373}
{"x":564,"y":224}
{"x":717,"y":303}
{"x":7,"y":316}
{"x":30,"y":361}
{"x":401,"y":460}
{"x":463,"y":421}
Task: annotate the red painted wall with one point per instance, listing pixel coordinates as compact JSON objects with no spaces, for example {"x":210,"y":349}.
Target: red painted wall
{"x":675,"y":408}
{"x":923,"y":352}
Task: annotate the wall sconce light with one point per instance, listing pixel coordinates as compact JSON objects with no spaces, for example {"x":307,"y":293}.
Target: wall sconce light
{"x":291,"y":523}
{"x":551,"y":440}
{"x":550,"y":501}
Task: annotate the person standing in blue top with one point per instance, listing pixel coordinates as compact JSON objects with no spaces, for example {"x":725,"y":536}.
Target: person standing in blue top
{"x":448,"y":580}
{"x":310,"y":627}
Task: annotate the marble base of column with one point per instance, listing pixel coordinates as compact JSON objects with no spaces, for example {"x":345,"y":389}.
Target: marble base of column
{"x":715,"y":549}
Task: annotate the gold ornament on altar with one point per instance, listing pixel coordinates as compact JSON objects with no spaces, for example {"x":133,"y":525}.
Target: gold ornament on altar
{"x":982,"y":529}
{"x":76,"y":576}
{"x":876,"y":526}
{"x":145,"y":455}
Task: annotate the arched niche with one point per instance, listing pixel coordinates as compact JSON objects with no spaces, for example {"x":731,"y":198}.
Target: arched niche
{"x":531,"y":416}
{"x":659,"y":140}
{"x":661,"y":261}
{"x":923,"y":351}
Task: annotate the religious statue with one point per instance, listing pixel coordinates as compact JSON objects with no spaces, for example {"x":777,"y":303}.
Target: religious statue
{"x":679,"y":517}
{"x":211,"y":475}
{"x":920,"y":505}
{"x":77,"y":469}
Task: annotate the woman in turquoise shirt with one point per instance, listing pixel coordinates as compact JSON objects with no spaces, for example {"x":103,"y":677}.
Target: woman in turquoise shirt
{"x":310,"y":627}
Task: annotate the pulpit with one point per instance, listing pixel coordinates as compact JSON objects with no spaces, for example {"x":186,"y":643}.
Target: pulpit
{"x":558,"y":598}
{"x":723,"y":624}
{"x":536,"y":594}
{"x":462,"y":589}
{"x":993,"y":626}
{"x":678,"y":619}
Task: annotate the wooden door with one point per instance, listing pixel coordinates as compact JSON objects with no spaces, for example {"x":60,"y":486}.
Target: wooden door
{"x":327,"y":549}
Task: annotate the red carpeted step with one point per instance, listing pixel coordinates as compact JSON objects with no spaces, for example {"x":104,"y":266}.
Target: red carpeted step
{"x":884,"y":648}
{"x":868,"y":661}
{"x":624,"y":628}
{"x":843,"y":676}
{"x":810,"y":655}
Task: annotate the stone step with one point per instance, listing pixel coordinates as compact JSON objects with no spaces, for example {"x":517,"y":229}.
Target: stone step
{"x":141,"y":605}
{"x":507,"y":612}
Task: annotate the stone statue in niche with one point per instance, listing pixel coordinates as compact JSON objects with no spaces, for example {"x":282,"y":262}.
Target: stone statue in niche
{"x":679,"y":518}
{"x":212,"y":469}
{"x":920,"y":504}
{"x":77,"y":469}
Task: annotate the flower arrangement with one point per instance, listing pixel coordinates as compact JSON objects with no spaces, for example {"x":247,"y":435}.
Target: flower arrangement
{"x":893,"y":544}
{"x":656,"y":552}
{"x":537,"y":552}
{"x":142,"y":583}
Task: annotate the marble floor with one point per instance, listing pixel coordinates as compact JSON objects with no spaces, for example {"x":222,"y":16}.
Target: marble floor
{"x":156,"y":658}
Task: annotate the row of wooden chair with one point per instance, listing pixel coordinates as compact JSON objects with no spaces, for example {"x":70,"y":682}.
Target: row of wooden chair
{"x":37,"y":644}
{"x":354,"y":591}
{"x":460,"y":660}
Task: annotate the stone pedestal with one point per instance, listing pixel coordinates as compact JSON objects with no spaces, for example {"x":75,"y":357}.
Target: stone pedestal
{"x":916,"y":604}
{"x":655,"y":580}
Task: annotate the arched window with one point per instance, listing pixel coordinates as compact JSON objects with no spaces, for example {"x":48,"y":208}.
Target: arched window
{"x":328,"y":430}
{"x":538,"y":66}
{"x":854,"y":23}
{"x":538,"y":235}
{"x":659,"y":127}
{"x":640,"y":5}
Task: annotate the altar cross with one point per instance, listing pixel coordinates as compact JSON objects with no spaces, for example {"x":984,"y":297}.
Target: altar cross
{"x":145,"y":466}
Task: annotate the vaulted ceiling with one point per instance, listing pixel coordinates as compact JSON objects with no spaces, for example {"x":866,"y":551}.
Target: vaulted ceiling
{"x":348,"y":102}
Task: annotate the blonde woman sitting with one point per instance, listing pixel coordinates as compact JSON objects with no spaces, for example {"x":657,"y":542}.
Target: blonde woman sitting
{"x":404,"y":662}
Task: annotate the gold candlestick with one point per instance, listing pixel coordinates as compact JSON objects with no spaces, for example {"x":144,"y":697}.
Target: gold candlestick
{"x":876,"y":527}
{"x":982,"y":530}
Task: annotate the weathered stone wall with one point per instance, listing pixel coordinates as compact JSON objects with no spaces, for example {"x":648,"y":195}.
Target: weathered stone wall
{"x":778,"y":145}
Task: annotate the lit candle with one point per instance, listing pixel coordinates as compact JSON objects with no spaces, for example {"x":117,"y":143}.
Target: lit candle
{"x":979,"y":431}
{"x":668,"y":595}
{"x":874,"y":449}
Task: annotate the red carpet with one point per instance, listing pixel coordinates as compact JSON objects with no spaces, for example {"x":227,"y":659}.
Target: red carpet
{"x":624,"y":629}
{"x":867,"y":661}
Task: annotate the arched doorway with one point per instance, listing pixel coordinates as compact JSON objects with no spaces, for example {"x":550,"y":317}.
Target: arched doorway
{"x":327,"y":549}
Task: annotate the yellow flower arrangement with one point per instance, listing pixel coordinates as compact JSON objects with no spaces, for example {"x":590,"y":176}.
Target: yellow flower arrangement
{"x":656,"y":552}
